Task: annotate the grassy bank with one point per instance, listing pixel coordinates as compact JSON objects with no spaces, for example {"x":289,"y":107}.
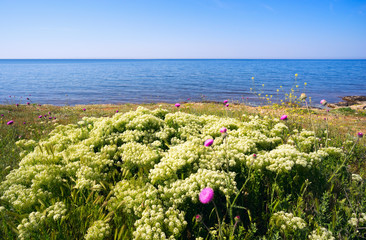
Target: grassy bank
{"x":322,"y":195}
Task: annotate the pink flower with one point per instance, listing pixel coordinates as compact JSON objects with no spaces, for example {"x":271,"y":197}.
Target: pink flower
{"x":223,"y":130}
{"x":209,"y":142}
{"x":283,"y":117}
{"x":206,"y":195}
{"x":23,"y":122}
{"x":227,"y":105}
{"x":28,"y":103}
{"x":323,"y":102}
{"x":226,"y":101}
{"x":10,"y":122}
{"x":117,"y":111}
{"x":360,"y":134}
{"x":177,"y":105}
{"x":40,"y":116}
{"x":84,"y":109}
{"x":237,"y":219}
{"x":198,"y":218}
{"x":254,"y":156}
{"x":17,"y":105}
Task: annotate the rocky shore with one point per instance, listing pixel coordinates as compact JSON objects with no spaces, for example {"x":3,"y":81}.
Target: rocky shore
{"x":354,"y":102}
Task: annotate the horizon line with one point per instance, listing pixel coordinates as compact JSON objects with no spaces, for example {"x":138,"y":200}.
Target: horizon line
{"x":182,"y":58}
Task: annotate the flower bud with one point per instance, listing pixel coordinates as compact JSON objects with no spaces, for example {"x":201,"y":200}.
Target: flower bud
{"x":303,"y":96}
{"x":323,"y":102}
{"x":360,"y":134}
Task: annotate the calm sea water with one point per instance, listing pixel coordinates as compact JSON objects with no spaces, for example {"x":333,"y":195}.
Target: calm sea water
{"x":70,"y":82}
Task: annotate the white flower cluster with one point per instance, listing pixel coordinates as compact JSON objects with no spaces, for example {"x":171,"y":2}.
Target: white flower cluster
{"x":167,"y":153}
{"x":287,"y":221}
{"x":132,"y":197}
{"x":321,"y":234}
{"x":138,"y":155}
{"x":281,"y":159}
{"x":35,"y":220}
{"x":356,"y":178}
{"x":158,"y":223}
{"x":98,"y":231}
{"x":303,"y":140}
{"x":190,"y":187}
{"x":184,"y":156}
{"x":357,"y":220}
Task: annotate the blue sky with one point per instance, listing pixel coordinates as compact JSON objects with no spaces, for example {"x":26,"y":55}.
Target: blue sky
{"x":182,"y":29}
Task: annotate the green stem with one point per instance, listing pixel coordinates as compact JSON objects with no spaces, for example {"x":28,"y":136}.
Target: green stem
{"x":312,"y":125}
{"x":344,"y":161}
{"x":218,"y":219}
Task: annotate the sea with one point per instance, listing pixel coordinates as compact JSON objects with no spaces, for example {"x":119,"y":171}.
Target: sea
{"x":118,"y":81}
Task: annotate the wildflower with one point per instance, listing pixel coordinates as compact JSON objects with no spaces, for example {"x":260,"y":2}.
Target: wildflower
{"x":209,"y":142}
{"x":17,"y":105}
{"x":198,"y":218}
{"x":40,"y":116}
{"x":10,"y":122}
{"x":206,"y":195}
{"x":84,"y":109}
{"x":227,"y":105}
{"x":360,"y":134}
{"x":24,"y":122}
{"x":2,"y":115}
{"x":28,"y":103}
{"x":226,"y":101}
{"x":323,"y":102}
{"x":283,"y":117}
{"x":252,"y":78}
{"x":54,"y":117}
{"x":49,"y":113}
{"x":302,"y":96}
{"x":254,"y":156}
{"x":237,"y":219}
{"x":296,"y":74}
{"x":117,"y":111}
{"x":50,"y":118}
{"x":223,"y":130}
{"x":177,"y":105}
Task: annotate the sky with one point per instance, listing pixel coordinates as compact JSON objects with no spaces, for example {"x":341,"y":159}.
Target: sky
{"x":145,"y":29}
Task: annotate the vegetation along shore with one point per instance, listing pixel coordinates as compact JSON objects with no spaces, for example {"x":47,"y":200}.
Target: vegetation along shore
{"x":191,"y":170}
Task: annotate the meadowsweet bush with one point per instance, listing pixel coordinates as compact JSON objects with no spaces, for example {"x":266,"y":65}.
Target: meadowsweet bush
{"x":321,"y":234}
{"x":139,"y":175}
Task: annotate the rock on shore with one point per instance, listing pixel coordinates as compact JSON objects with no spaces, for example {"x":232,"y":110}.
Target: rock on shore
{"x":354,"y":102}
